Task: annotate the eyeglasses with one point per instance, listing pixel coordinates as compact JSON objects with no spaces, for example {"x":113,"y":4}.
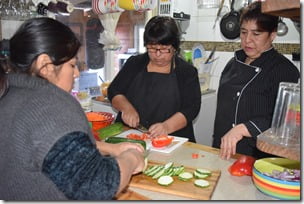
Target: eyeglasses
{"x":154,"y":50}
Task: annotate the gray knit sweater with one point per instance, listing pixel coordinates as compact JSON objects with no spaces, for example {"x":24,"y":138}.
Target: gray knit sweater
{"x":34,"y":115}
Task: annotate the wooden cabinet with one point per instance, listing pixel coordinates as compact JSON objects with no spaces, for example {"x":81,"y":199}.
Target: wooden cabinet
{"x":285,"y":8}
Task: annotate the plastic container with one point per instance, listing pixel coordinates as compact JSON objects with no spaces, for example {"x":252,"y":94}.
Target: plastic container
{"x":286,"y":121}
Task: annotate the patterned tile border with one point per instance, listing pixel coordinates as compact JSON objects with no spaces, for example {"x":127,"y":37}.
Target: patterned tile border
{"x":284,"y":48}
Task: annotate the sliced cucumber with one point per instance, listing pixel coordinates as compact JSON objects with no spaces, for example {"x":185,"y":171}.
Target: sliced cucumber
{"x":155,"y":171}
{"x":203,"y":171}
{"x":168,"y":165}
{"x":159,"y":174}
{"x":165,"y":180}
{"x":185,"y":176}
{"x":178,"y":170}
{"x":198,"y":175}
{"x":201,"y":183}
{"x":150,"y":169}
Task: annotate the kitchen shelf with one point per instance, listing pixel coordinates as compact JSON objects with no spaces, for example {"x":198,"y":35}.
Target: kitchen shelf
{"x":269,"y":143}
{"x":285,"y":8}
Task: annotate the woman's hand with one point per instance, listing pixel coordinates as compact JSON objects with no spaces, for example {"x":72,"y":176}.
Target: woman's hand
{"x":230,"y":139}
{"x":130,"y":117}
{"x":158,"y":129}
{"x":117,"y":149}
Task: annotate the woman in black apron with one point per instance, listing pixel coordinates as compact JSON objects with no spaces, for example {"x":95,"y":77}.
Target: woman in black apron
{"x":248,"y":86}
{"x":158,"y":89}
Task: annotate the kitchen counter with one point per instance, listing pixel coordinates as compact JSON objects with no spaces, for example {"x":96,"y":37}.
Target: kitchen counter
{"x":242,"y":188}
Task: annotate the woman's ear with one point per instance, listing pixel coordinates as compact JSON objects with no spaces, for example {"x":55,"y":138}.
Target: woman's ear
{"x":43,"y":67}
{"x":273,"y":35}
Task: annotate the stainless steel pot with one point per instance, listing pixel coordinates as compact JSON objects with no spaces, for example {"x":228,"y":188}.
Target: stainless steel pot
{"x":282,"y":28}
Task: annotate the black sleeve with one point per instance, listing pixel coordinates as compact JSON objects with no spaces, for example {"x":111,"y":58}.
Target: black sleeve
{"x":80,"y":171}
{"x":121,"y":82}
{"x":190,"y":90}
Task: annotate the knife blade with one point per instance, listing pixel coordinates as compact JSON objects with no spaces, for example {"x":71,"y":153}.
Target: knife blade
{"x":142,"y":128}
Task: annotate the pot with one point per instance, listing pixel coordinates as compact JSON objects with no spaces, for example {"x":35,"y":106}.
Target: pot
{"x":282,"y":28}
{"x":230,"y":24}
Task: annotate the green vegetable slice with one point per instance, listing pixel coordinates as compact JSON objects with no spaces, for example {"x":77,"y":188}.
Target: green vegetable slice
{"x":165,"y":180}
{"x":185,"y":176}
{"x":203,"y":171}
{"x":201,"y":183}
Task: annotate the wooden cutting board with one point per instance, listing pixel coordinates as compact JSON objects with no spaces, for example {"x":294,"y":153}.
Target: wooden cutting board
{"x":130,"y":195}
{"x":178,"y":187}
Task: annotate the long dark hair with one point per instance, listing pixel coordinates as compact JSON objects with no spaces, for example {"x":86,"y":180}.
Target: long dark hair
{"x":34,"y":37}
{"x":162,"y":30}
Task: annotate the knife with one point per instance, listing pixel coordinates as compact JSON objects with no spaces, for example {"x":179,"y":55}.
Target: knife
{"x":211,"y":55}
{"x":142,"y":129}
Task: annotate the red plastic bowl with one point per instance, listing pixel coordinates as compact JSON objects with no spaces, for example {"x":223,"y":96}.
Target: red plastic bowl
{"x":100,"y":119}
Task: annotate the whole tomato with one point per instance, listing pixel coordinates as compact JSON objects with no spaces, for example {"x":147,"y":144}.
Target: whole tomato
{"x":242,"y":166}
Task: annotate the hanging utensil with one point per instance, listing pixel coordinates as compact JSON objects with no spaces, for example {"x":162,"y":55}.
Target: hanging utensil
{"x":210,"y":55}
{"x":282,"y":28}
{"x":218,"y":13}
{"x":230,"y":24}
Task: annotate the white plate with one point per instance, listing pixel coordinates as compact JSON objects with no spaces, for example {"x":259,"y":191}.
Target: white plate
{"x":177,"y":141}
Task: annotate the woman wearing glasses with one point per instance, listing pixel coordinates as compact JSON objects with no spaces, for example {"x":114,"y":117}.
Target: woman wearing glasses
{"x":158,"y":89}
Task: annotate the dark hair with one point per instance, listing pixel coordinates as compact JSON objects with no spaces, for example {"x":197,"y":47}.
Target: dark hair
{"x":162,"y":30}
{"x":34,"y":37}
{"x":265,"y":22}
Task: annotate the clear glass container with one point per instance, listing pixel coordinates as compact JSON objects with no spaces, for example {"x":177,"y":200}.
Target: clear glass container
{"x":286,"y":121}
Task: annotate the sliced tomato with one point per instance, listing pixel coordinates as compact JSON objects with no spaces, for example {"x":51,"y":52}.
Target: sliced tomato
{"x":161,"y":141}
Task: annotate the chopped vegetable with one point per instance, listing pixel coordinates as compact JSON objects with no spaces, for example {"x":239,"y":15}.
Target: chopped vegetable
{"x":286,"y":175}
{"x":201,"y":183}
{"x":194,"y":156}
{"x":135,"y":136}
{"x":162,"y":141}
{"x":185,"y":176}
{"x":242,"y":166}
{"x":165,"y":180}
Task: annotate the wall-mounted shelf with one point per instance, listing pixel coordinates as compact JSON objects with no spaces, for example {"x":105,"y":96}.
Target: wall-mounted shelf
{"x":285,"y":8}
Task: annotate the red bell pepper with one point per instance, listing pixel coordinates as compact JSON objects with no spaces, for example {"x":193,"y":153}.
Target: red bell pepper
{"x":242,"y":166}
{"x":161,"y":141}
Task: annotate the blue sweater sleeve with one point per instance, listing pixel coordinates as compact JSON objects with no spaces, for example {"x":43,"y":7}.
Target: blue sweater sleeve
{"x":80,"y":171}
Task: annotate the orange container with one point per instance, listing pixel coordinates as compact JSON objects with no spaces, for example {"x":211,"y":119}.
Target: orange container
{"x":100,"y":119}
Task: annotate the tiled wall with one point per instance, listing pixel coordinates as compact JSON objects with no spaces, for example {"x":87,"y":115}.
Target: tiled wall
{"x":232,"y":46}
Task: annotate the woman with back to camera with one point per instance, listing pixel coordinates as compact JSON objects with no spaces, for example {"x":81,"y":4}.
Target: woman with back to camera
{"x":158,"y":89}
{"x":47,"y":151}
{"x":249,"y":84}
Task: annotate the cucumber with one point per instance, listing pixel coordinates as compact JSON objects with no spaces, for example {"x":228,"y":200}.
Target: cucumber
{"x":198,"y":175}
{"x":165,"y":180}
{"x":150,"y":169}
{"x":185,"y":176}
{"x":203,"y":171}
{"x":115,"y":140}
{"x":155,"y":171}
{"x":111,"y":130}
{"x":178,"y":170}
{"x":168,"y":165}
{"x":201,"y":183}
{"x":159,"y":173}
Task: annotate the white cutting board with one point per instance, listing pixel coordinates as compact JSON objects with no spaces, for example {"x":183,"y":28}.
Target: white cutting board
{"x":177,"y":141}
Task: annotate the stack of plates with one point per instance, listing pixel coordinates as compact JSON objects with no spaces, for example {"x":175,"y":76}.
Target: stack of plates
{"x":105,"y":6}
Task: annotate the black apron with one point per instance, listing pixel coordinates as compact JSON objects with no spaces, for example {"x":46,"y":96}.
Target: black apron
{"x":231,"y":84}
{"x":156,"y":98}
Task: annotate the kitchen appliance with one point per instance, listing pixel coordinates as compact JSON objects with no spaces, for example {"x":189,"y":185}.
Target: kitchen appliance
{"x":172,"y":8}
